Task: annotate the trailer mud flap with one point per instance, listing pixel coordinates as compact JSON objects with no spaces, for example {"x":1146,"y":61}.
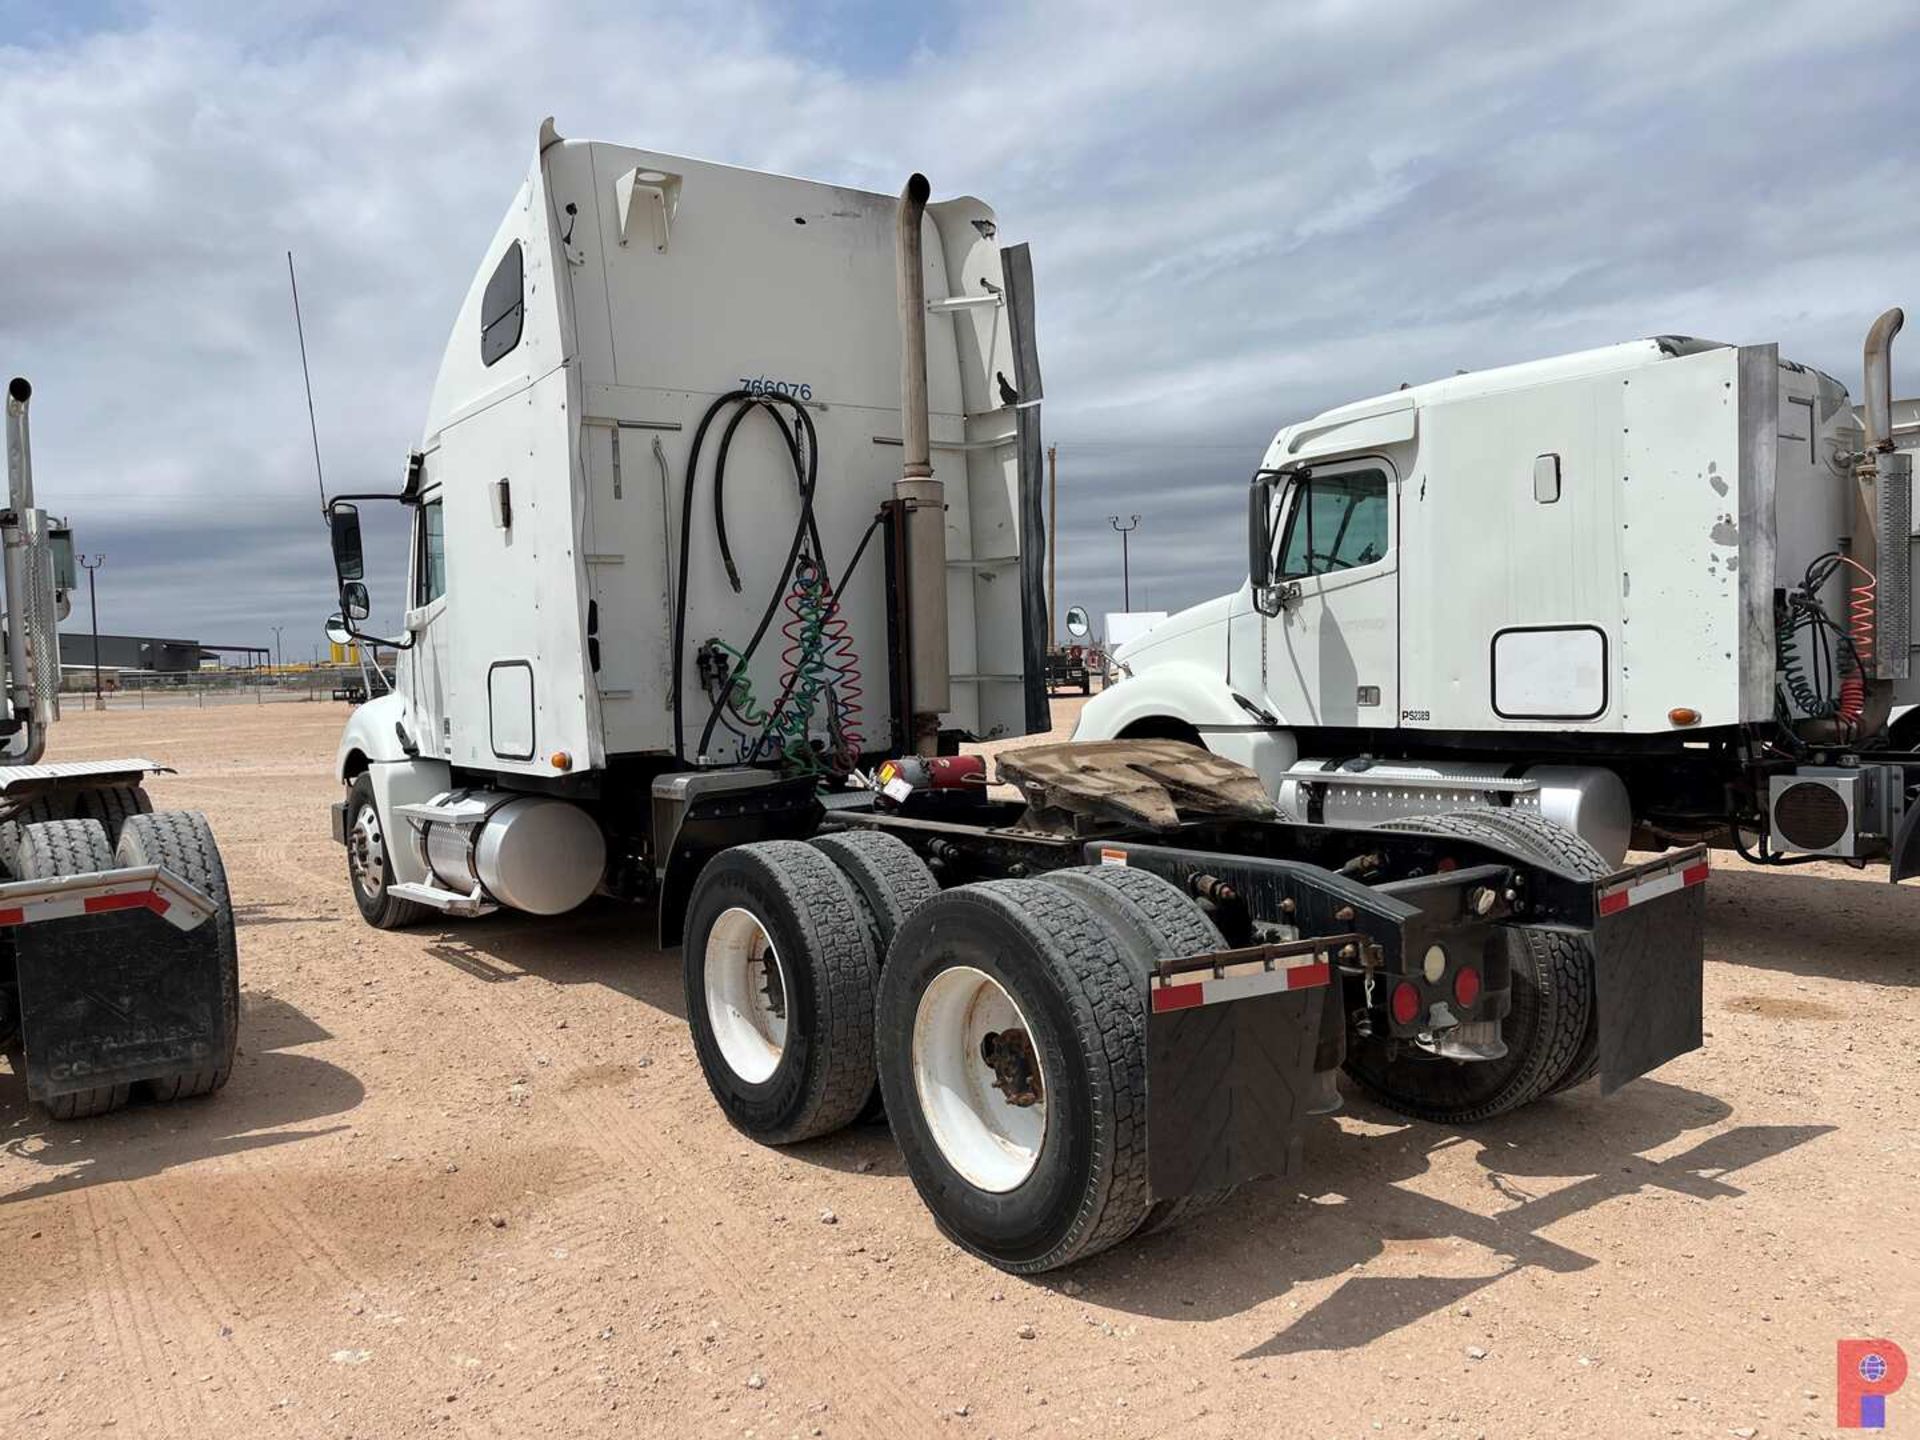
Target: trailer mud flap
{"x":131,"y":988}
{"x":1232,"y":1041}
{"x":1649,"y":945}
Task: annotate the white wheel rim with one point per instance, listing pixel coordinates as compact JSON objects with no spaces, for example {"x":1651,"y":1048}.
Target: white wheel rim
{"x":747,"y":995}
{"x":992,"y":1141}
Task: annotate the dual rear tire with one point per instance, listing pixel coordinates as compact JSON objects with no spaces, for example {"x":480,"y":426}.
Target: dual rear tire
{"x":1006,"y":1027}
{"x":181,"y":841}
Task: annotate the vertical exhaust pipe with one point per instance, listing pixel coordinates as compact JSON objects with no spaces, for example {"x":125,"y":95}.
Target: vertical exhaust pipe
{"x":1878,"y":364}
{"x":15,"y":555}
{"x":929,"y":676}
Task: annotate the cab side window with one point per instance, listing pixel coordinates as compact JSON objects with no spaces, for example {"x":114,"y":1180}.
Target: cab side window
{"x":1336,"y":522}
{"x":430,"y":555}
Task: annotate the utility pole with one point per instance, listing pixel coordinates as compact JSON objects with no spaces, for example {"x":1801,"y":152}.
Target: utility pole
{"x":93,"y":607}
{"x":1126,"y":582}
{"x":276,"y":647}
{"x":1053,"y":531}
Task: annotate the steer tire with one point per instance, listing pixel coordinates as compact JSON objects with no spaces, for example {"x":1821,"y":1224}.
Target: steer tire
{"x":182,"y":841}
{"x":48,"y":849}
{"x":827,"y":964}
{"x":1083,"y":1000}
{"x":1549,"y":1029}
{"x":113,"y":806}
{"x":1169,"y":925}
{"x":378,"y":905}
{"x":891,"y":882}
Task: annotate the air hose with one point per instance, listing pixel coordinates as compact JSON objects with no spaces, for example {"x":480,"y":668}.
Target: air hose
{"x":818,"y":659}
{"x":1804,"y":615}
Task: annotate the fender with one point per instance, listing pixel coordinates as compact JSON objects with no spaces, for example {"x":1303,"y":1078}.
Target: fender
{"x":372,"y":742}
{"x":1231,"y":726}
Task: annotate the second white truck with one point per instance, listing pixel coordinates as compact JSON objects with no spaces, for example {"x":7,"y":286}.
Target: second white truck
{"x":1659,"y":593}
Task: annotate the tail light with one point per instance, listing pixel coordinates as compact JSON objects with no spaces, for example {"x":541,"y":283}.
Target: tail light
{"x":1405,"y":1003}
{"x":1466,"y":986}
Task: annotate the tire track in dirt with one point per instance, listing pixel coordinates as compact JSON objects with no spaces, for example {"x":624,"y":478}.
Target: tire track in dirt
{"x":715,"y":1239}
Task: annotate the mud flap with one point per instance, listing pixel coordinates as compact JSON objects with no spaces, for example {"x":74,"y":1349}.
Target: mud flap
{"x":118,"y":996}
{"x":1649,"y":948}
{"x":1231,"y":1046}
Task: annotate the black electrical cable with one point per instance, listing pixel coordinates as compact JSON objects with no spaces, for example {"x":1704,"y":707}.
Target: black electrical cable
{"x":807,"y":473}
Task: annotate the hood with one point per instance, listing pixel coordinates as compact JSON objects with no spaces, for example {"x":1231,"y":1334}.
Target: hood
{"x":1193,"y":626}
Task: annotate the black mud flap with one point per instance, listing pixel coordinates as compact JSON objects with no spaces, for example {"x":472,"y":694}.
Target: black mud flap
{"x":119,"y":996}
{"x":1649,"y":953}
{"x":1232,"y":1041}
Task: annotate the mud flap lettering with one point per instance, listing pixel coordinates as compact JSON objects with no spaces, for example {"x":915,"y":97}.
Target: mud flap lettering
{"x":1228,"y":1086}
{"x":118,"y":996}
{"x":1649,"y":943}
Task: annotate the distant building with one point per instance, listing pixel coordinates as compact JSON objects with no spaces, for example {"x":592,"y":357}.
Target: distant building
{"x":132,"y":652}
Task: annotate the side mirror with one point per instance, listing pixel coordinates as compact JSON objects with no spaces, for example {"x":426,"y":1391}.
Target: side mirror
{"x":1260,"y":530}
{"x":354,"y":602}
{"x":1078,"y":625}
{"x":337,"y":631}
{"x":349,"y":563}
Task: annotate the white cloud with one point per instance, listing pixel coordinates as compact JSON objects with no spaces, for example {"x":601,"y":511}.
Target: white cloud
{"x":1240,"y":213}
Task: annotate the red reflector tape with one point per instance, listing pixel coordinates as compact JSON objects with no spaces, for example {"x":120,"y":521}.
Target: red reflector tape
{"x":1640,"y":891}
{"x":1177,"y":997}
{"x":13,"y":916}
{"x":133,"y":900}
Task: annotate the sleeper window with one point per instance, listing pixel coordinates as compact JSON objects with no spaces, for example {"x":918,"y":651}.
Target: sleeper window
{"x":1337,"y":522}
{"x":503,"y":307}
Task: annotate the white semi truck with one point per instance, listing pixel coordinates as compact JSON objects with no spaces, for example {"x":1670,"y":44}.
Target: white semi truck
{"x":1658,"y":592}
{"x":119,"y":970}
{"x":694,"y":621}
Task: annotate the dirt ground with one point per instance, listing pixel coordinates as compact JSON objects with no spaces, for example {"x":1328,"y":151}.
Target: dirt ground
{"x":468,"y":1179}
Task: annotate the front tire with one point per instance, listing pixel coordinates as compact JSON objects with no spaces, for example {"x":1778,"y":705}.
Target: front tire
{"x":370,"y":866}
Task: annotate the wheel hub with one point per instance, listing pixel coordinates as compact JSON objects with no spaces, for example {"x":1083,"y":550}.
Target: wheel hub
{"x":367,"y":853}
{"x":979,"y":1079}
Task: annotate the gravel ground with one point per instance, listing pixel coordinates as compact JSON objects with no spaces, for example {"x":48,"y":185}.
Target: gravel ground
{"x":468,"y":1179}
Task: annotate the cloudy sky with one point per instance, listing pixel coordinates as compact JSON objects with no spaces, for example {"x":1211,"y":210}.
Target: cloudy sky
{"x":1240,"y":214}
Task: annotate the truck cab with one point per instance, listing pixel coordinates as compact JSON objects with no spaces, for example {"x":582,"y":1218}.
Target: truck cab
{"x":1620,"y":565}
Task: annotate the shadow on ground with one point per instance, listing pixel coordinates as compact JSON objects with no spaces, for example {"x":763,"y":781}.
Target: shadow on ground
{"x":274,"y":1098}
{"x":1815,"y":925}
{"x":605,"y":942}
{"x":1350,"y":1206}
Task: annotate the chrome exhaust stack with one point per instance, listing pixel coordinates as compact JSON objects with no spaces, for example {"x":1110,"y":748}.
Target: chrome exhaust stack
{"x":17,"y":555}
{"x":929,"y":679}
{"x":1883,"y":518}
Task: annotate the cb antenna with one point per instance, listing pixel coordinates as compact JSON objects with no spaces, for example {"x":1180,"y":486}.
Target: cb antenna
{"x":313,"y":426}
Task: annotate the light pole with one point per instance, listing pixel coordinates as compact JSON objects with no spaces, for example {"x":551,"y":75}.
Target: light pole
{"x":93,"y":608}
{"x":1126,"y":583}
{"x":276,"y":647}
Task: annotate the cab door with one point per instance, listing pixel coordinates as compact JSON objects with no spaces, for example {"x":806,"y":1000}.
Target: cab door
{"x":423,"y":667}
{"x":1331,"y":655}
